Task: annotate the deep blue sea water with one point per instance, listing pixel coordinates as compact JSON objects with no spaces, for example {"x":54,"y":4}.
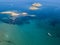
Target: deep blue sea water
{"x":31,"y":31}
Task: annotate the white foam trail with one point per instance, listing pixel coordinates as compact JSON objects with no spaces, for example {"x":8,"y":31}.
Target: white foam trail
{"x":24,"y":13}
{"x":33,"y":8}
{"x":10,"y":13}
{"x":36,"y":4}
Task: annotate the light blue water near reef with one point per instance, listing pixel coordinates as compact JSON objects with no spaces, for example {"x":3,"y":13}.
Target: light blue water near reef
{"x":35,"y":31}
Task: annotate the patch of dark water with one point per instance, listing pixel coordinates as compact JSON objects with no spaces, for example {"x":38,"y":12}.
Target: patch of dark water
{"x":17,"y":21}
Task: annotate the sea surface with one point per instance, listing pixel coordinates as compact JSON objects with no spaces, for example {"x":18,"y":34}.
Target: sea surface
{"x":35,"y":30}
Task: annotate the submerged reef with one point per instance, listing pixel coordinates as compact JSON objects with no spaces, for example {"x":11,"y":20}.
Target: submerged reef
{"x":17,"y":21}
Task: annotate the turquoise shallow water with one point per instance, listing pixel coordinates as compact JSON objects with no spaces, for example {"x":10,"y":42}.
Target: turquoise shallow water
{"x":27,"y":34}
